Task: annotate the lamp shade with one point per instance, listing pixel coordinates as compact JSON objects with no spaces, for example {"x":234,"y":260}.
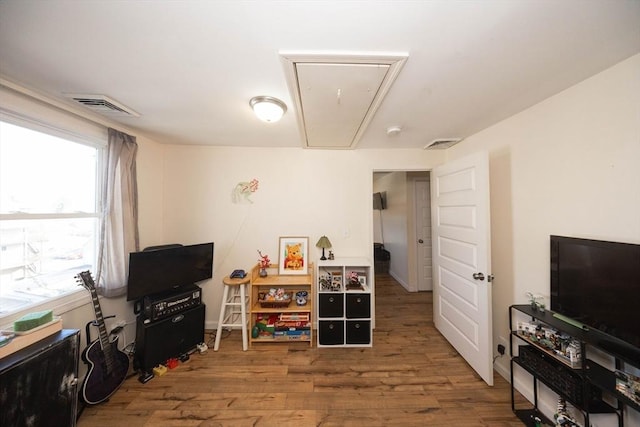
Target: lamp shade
{"x":268,"y":108}
{"x":323,"y":242}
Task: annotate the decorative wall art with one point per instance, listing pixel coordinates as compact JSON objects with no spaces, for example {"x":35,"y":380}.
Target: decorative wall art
{"x":243,"y":190}
{"x":293,"y":255}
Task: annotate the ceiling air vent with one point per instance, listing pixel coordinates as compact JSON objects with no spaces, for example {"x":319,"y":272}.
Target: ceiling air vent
{"x":102,"y":104}
{"x":441,"y":144}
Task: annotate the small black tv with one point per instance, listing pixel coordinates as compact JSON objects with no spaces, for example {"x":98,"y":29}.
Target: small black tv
{"x":380,"y":201}
{"x":597,"y":283}
{"x":165,"y":268}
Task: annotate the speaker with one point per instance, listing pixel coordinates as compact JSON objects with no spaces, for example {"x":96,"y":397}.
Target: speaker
{"x":158,"y":341}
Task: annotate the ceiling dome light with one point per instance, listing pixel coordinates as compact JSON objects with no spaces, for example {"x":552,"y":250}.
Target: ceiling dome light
{"x":268,"y":108}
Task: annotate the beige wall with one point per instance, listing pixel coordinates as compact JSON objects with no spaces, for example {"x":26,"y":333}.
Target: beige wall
{"x":301,"y":193}
{"x":566,"y":166}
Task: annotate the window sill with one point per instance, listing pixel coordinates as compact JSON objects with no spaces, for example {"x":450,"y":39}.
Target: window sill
{"x":60,"y":305}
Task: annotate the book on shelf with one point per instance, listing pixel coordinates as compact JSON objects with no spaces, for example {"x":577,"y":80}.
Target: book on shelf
{"x":295,"y":316}
{"x":292,"y":335}
{"x":285,"y":326}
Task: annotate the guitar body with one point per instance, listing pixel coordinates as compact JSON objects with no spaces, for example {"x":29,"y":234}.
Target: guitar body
{"x":108,"y":366}
{"x":100,"y":381}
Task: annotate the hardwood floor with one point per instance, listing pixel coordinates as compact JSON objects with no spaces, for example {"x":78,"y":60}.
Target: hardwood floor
{"x":411,"y":377}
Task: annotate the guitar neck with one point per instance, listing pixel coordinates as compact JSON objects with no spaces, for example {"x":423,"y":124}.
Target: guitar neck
{"x":102,"y":330}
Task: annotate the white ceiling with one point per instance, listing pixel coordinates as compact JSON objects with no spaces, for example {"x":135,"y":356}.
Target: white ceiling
{"x":190,"y":67}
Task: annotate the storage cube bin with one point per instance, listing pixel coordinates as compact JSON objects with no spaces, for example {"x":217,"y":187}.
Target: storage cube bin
{"x":331,"y":332}
{"x":358,"y":332}
{"x":331,"y":305}
{"x":358,"y":306}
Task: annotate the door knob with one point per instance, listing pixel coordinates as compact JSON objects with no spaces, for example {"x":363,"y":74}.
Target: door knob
{"x":420,"y":241}
{"x":478,"y":276}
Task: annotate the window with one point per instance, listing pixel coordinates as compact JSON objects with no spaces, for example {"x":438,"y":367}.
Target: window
{"x":49,"y":214}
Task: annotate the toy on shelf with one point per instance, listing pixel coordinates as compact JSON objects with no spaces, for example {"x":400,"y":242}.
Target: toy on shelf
{"x":560,"y":344}
{"x":536,"y":301}
{"x":562,"y":417}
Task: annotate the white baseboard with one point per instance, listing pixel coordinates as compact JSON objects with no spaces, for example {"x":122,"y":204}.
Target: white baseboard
{"x":399,"y":280}
{"x":501,"y":369}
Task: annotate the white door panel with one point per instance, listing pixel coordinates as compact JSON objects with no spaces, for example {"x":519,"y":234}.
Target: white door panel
{"x":461,"y":248}
{"x":456,"y":182}
{"x":460,"y":288}
{"x":459,"y":252}
{"x":423,"y":236}
{"x":457,"y":320}
{"x":463,"y":217}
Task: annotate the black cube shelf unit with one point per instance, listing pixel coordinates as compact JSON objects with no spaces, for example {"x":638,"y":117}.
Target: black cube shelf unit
{"x":344,"y":308}
{"x":585,"y":383}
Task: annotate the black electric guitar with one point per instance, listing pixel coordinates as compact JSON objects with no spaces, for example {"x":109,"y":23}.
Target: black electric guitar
{"x":108,"y":366}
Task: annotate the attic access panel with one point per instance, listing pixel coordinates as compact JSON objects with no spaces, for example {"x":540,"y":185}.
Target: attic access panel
{"x":336,"y":96}
{"x":335,"y":100}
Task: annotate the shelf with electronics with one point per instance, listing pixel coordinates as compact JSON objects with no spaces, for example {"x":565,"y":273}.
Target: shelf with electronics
{"x":281,"y":306}
{"x":558,"y":354}
{"x":344,"y":299}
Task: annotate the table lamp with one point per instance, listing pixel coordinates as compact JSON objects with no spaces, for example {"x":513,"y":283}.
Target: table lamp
{"x":323,"y":243}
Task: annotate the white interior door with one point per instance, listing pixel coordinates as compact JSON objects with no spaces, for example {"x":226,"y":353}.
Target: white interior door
{"x":423,"y":235}
{"x":461,"y":259}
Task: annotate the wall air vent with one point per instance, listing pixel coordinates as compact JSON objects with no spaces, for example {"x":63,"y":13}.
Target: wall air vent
{"x":441,"y":144}
{"x":102,"y":104}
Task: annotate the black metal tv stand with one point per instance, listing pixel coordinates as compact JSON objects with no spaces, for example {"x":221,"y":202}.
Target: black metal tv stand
{"x":582,"y":383}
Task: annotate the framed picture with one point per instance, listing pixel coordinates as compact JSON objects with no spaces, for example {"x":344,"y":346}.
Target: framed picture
{"x":336,"y":281}
{"x":363,"y":280}
{"x":293,"y":255}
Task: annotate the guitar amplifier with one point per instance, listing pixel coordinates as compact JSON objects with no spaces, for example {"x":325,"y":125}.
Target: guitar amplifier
{"x":156,"y":342}
{"x":156,"y":307}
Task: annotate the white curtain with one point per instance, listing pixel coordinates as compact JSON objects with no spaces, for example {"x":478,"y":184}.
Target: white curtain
{"x":119,"y":227}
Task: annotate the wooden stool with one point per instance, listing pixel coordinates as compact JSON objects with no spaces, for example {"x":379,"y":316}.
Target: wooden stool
{"x":236,"y":304}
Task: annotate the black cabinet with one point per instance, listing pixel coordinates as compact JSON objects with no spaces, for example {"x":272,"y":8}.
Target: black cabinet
{"x":38,"y":384}
{"x":584,"y":383}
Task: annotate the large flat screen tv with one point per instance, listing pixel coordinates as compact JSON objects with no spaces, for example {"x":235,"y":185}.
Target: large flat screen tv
{"x":597,"y":283}
{"x":163,"y":269}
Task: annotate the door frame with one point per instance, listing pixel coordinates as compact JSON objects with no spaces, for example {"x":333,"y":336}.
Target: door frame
{"x":411,"y":284}
{"x":411,"y":251}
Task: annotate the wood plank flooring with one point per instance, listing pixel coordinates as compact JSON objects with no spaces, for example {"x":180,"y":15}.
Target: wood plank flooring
{"x":411,"y":377}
